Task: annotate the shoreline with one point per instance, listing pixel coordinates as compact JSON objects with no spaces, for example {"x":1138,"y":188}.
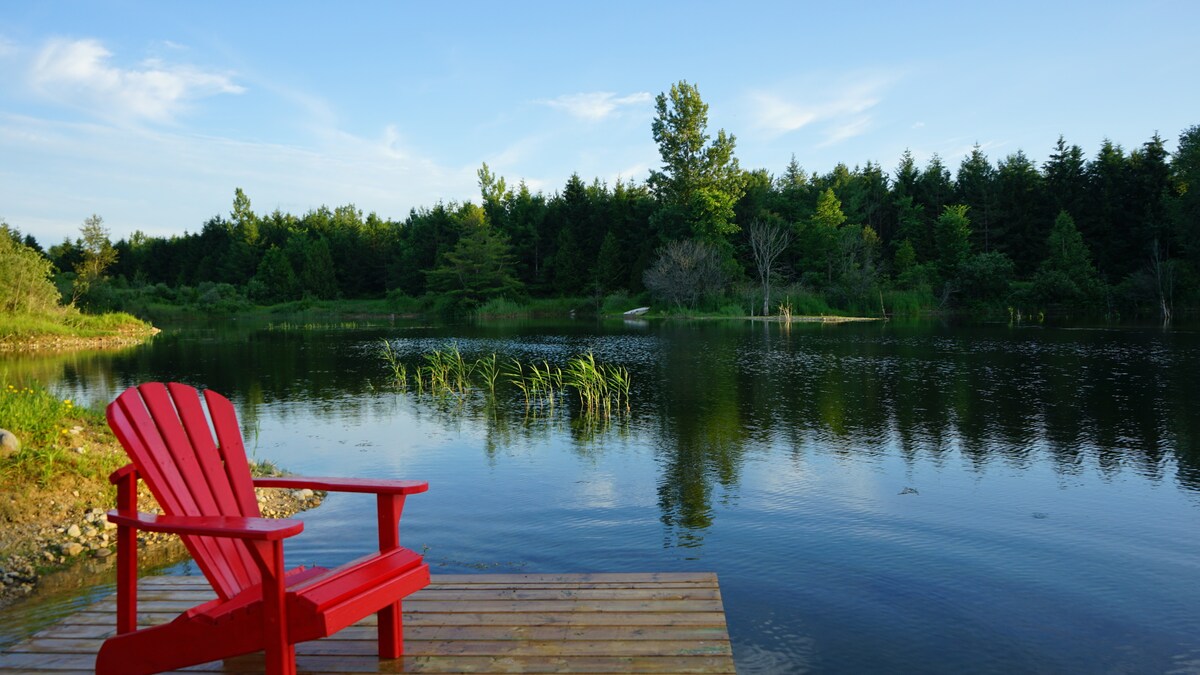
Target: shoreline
{"x":51,"y":529}
{"x":60,"y":343}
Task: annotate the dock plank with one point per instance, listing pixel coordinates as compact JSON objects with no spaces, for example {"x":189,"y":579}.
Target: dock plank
{"x":488,"y":623}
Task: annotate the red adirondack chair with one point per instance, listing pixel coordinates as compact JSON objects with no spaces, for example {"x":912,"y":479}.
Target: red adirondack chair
{"x":207,"y":494}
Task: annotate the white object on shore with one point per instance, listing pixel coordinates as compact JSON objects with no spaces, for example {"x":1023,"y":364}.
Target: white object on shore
{"x":637,"y":312}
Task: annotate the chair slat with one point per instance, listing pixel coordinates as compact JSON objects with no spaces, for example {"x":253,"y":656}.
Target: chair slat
{"x":130,"y":421}
{"x":228,"y":575}
{"x":233,"y":554}
{"x":229,"y":439}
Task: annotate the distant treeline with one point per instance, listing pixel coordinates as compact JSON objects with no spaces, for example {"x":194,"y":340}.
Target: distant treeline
{"x":1117,"y":233}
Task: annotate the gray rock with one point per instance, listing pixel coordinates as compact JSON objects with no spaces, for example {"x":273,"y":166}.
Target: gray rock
{"x":103,"y":553}
{"x":9,"y":445}
{"x":73,"y":531}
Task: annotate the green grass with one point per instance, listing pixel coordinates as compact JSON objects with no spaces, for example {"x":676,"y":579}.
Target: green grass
{"x":497,"y":308}
{"x":909,"y":302}
{"x":50,"y":429}
{"x":69,"y":323}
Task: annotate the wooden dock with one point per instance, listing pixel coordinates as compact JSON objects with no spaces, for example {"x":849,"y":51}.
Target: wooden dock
{"x":485,"y":623}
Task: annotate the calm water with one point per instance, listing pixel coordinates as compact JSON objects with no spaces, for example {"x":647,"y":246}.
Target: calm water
{"x":873,"y":497}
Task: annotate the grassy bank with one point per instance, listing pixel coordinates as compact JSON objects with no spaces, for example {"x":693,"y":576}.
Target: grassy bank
{"x":59,"y":440}
{"x":55,"y":490}
{"x":69,"y":327}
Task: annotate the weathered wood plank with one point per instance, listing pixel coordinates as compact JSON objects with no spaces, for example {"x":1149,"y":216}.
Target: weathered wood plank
{"x":594,"y":623}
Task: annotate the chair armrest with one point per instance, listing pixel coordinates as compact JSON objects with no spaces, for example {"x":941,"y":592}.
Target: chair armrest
{"x":369,"y":485}
{"x":260,"y":529}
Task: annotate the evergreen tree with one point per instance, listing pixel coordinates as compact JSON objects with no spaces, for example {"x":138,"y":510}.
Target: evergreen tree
{"x":819,"y":239}
{"x":953,"y":240}
{"x":1020,"y":225}
{"x":1066,"y":274}
{"x":479,"y":267}
{"x":1066,"y":178}
{"x":975,"y":187}
{"x":275,"y":280}
{"x":610,"y":267}
{"x":1106,"y":214}
{"x":1185,"y":215}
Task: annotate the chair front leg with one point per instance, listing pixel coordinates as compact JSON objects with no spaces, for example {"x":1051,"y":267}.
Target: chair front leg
{"x":280,"y":652}
{"x":391,"y":619}
{"x":127,"y":563}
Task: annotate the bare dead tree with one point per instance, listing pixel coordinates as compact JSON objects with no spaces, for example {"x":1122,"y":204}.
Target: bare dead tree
{"x":685,"y":272}
{"x":767,"y":242}
{"x":1164,"y":279}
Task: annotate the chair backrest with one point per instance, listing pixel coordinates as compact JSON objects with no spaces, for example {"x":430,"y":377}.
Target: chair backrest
{"x":170,"y":440}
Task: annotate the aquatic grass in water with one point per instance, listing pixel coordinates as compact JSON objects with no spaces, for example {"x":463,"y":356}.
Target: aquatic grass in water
{"x":398,"y":368}
{"x":601,"y":389}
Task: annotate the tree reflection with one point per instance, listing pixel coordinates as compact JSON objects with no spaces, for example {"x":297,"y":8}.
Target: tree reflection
{"x":1083,"y":401}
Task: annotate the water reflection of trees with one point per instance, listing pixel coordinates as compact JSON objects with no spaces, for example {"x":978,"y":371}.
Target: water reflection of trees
{"x":1085,"y":401}
{"x":1098,"y":401}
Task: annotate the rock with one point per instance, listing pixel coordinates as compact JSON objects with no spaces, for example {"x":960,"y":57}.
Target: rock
{"x":73,"y":549}
{"x":73,"y":531}
{"x":103,"y":552}
{"x":90,"y":532}
{"x":9,"y":445}
{"x":305,"y":494}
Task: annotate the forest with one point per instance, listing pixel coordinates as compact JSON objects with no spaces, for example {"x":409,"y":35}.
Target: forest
{"x":1115,"y":234}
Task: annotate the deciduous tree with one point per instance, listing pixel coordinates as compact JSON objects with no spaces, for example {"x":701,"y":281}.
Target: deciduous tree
{"x":699,"y":181}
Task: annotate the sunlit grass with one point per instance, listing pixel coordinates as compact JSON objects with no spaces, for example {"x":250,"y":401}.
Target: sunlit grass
{"x":57,"y":437}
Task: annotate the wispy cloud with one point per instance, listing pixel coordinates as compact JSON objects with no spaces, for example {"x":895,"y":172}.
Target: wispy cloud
{"x":842,"y":110}
{"x":80,"y":72}
{"x":596,"y":105}
{"x":7,"y":47}
{"x":133,"y":176}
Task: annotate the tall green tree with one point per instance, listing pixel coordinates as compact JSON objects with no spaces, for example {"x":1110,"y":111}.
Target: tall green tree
{"x":975,"y":187}
{"x":699,"y":181}
{"x":1021,"y":224}
{"x":953,"y":240}
{"x":1185,"y":215}
{"x":1066,"y":179}
{"x":819,"y":239}
{"x":98,"y":256}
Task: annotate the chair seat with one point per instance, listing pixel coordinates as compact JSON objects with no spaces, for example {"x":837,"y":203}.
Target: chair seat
{"x":325,"y":603}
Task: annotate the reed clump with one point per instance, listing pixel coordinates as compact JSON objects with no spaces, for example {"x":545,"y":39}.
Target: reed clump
{"x":601,"y":389}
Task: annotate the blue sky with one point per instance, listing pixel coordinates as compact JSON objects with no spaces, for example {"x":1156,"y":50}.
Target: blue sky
{"x":151,"y":113}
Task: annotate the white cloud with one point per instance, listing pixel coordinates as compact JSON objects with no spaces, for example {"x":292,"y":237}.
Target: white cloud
{"x":164,"y":181}
{"x":842,"y":109}
{"x":596,"y":105}
{"x":845,"y":129}
{"x":80,"y":72}
{"x":7,"y":47}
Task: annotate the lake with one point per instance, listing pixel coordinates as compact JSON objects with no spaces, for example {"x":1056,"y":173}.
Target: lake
{"x":874,"y":497}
